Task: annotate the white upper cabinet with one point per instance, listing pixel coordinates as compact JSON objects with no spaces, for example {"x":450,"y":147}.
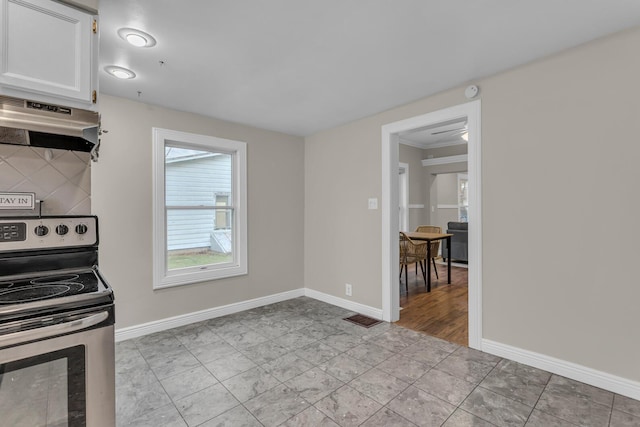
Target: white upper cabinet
{"x":48,"y":52}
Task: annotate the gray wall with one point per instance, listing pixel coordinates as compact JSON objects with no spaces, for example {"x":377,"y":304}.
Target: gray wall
{"x":559,"y":160}
{"x":418,"y":193}
{"x":447,"y":184}
{"x":122,"y":191}
{"x":452,"y":150}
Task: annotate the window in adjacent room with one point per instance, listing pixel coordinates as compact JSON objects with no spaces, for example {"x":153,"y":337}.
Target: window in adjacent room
{"x":199,"y":208}
{"x":463,"y":197}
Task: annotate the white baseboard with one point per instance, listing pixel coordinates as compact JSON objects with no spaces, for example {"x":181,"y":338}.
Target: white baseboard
{"x":198,"y":316}
{"x":453,"y":263}
{"x":571,"y":370}
{"x":211,"y":313}
{"x":376,"y":313}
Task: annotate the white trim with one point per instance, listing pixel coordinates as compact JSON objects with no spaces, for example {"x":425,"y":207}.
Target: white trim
{"x":561,"y":367}
{"x":390,"y":248}
{"x":390,"y":269}
{"x":416,"y":206}
{"x":462,"y":158}
{"x":447,"y":206}
{"x":441,"y":261}
{"x":474,"y":170}
{"x":376,"y":313}
{"x":198,"y":316}
{"x":428,"y":146}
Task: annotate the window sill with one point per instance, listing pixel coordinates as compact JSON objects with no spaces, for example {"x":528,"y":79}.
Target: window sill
{"x":185,"y":279}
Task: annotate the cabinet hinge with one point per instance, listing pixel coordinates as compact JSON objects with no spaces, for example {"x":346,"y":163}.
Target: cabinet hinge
{"x":94,"y":96}
{"x":95,"y":26}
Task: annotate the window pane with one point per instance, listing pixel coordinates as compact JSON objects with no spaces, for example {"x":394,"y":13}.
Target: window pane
{"x":194,"y":240}
{"x":223,"y":216}
{"x":197,"y":237}
{"x":463,"y":198}
{"x":196,"y":177}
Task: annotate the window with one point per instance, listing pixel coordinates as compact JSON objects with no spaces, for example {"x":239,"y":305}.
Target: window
{"x":463,"y":197}
{"x":200,"y":218}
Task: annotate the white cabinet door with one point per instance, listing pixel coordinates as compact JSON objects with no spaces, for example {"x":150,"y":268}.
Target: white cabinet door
{"x":46,"y":48}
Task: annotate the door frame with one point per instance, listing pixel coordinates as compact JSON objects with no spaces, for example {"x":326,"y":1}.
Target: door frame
{"x":390,"y":200}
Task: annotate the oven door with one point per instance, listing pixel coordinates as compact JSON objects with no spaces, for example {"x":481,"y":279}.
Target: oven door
{"x":60,"y":380}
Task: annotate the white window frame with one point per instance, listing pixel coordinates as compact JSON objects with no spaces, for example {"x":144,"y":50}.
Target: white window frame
{"x":162,"y":277}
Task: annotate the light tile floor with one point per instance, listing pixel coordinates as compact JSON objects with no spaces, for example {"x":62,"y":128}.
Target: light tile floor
{"x":297,"y":363}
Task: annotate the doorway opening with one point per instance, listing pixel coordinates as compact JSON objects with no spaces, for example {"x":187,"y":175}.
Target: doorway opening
{"x":391,"y":134}
{"x":438,"y":203}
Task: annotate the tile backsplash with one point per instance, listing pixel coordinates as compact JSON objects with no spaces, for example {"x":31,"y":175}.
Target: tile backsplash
{"x":63,"y":183}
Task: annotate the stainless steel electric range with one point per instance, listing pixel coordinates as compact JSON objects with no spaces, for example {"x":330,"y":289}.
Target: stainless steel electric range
{"x":56,"y":325}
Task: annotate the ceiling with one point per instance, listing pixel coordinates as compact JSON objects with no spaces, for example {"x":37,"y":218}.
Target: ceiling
{"x":301,"y":66}
{"x":439,"y":135}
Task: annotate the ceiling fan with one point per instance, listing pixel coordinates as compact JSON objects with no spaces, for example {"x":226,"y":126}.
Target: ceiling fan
{"x":461,"y":132}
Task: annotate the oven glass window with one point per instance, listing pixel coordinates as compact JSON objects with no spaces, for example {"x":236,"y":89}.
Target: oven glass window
{"x":47,"y":390}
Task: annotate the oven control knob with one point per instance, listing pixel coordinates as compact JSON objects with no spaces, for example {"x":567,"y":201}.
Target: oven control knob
{"x":81,"y":228}
{"x":42,"y":230}
{"x":62,"y":229}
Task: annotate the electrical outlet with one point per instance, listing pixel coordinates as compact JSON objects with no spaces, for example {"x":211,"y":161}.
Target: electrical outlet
{"x":347,"y":289}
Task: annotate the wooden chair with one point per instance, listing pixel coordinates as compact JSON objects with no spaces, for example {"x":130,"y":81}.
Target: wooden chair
{"x":411,"y":252}
{"x":435,"y":246}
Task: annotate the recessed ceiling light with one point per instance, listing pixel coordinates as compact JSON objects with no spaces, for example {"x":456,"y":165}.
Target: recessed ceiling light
{"x":136,"y":38}
{"x":120,"y":72}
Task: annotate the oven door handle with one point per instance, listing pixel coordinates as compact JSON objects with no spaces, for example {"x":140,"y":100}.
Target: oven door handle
{"x":49,"y":331}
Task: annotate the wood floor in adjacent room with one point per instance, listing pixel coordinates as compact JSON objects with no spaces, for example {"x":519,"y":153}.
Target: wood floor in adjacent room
{"x":443,"y":312}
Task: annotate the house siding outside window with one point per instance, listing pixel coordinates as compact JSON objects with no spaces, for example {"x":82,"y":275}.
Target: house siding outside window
{"x":196,"y":181}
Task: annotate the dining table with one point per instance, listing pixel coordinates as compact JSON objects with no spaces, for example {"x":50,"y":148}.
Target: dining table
{"x":431,"y":237}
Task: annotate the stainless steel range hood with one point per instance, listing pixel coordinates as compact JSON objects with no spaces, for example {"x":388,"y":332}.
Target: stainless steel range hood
{"x":24,"y":122}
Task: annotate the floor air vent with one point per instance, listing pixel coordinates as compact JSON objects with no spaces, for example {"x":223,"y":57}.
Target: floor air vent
{"x":362,"y":320}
